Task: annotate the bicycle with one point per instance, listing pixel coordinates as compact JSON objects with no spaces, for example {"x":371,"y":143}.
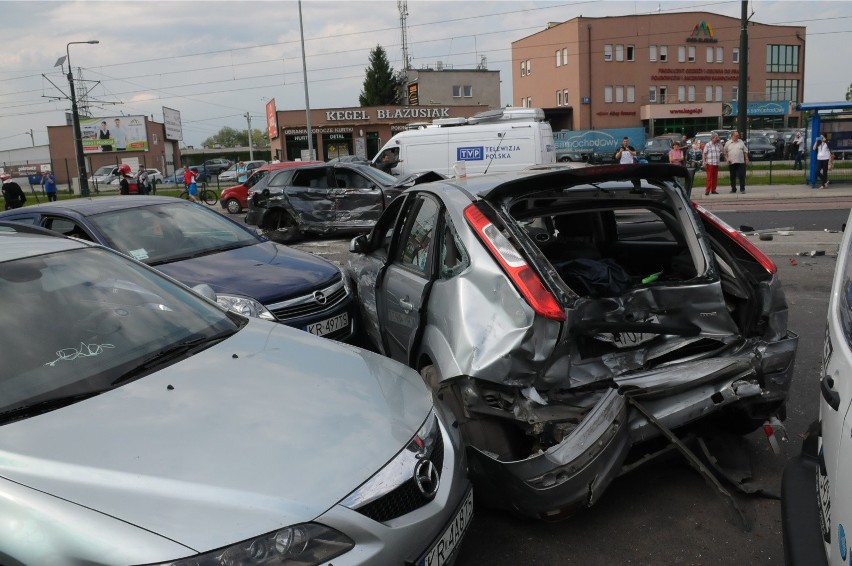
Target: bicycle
{"x":205,"y":195}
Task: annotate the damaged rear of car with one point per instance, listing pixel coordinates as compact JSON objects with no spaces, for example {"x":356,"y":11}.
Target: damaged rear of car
{"x":567,"y":316}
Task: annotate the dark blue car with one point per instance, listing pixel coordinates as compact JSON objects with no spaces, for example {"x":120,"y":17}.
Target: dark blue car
{"x":197,"y":246}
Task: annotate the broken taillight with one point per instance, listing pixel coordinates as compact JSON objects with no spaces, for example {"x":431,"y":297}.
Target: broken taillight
{"x":525,"y":279}
{"x":737,"y":236}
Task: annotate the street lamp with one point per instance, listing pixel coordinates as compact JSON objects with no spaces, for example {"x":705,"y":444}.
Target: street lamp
{"x":75,"y":118}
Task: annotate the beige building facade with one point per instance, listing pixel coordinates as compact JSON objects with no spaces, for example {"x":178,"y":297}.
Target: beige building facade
{"x":665,"y":72}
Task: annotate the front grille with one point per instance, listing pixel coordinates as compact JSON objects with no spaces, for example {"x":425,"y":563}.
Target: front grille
{"x":308,"y":305}
{"x":405,"y":498}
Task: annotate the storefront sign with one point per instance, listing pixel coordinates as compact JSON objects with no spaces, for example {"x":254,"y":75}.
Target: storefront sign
{"x":304,"y":131}
{"x":699,"y":74}
{"x":413,"y":96}
{"x":702,"y":33}
{"x":616,"y":113}
{"x":690,"y":111}
{"x":172,"y":123}
{"x":390,"y":113}
{"x":271,"y":120}
{"x":761,"y":108}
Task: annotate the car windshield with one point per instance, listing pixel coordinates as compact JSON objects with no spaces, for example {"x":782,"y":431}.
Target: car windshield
{"x":759,"y":140}
{"x":105,"y":170}
{"x":658,"y":143}
{"x":169,"y":232}
{"x":94,"y":319}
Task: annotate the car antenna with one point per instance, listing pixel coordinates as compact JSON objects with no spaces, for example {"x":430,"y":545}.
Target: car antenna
{"x":496,"y":149}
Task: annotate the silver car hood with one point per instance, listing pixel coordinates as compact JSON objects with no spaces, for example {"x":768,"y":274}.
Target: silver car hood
{"x":269,"y":428}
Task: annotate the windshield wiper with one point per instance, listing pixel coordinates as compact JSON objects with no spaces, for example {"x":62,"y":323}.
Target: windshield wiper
{"x":34,"y":409}
{"x":201,"y":253}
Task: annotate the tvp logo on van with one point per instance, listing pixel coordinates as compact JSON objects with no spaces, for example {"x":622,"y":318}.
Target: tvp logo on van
{"x":470,"y":153}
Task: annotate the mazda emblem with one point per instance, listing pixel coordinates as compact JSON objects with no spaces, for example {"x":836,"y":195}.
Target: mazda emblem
{"x":426,"y":477}
{"x":319,"y":297}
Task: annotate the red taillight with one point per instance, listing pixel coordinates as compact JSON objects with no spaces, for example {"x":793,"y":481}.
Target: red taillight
{"x":737,"y":236}
{"x":516,"y":267}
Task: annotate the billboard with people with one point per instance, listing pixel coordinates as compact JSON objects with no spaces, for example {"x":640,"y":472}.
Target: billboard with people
{"x":114,"y":133}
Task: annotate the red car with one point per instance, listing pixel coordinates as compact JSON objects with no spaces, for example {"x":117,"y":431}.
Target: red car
{"x":235,"y":199}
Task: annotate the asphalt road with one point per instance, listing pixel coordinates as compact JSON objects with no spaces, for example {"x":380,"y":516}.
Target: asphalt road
{"x":664,"y":512}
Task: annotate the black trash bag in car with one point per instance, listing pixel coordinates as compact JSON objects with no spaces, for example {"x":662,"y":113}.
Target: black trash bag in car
{"x":596,"y":277}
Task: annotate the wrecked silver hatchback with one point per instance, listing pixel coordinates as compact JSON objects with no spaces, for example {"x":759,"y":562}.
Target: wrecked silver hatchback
{"x":567,"y":316}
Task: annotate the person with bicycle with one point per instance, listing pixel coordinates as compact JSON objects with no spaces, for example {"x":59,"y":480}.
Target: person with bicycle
{"x":189,"y":178}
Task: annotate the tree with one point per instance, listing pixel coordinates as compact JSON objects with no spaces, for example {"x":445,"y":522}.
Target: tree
{"x":381,"y":85}
{"x":230,"y":137}
{"x":849,"y":93}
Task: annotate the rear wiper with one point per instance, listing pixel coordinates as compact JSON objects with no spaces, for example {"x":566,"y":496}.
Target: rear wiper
{"x":33,"y":409}
{"x":166,"y":355}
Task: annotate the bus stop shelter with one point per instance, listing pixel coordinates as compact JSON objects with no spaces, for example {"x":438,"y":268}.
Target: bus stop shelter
{"x":834,"y":119}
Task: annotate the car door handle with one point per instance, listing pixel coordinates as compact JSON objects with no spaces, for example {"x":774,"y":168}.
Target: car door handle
{"x":831,"y":396}
{"x":406,"y":306}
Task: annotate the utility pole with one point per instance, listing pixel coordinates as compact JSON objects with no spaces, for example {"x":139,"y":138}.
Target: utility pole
{"x":251,"y":148}
{"x":305,"y":80}
{"x":32,"y":138}
{"x":75,"y":118}
{"x":742,"y":89}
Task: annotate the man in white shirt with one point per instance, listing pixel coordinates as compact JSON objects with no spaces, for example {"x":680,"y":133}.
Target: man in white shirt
{"x":736,"y":154}
{"x":799,"y":141}
{"x":120,"y":136}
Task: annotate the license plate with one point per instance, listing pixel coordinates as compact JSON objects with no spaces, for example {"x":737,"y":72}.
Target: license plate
{"x":445,"y":546}
{"x":329,"y":325}
{"x":824,"y":501}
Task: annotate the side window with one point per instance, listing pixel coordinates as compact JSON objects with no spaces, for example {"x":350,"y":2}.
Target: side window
{"x":416,"y":243}
{"x":313,"y":178}
{"x":278,"y":179}
{"x":454,"y":256}
{"x":66,"y":227}
{"x":253,"y":180}
{"x":21,"y":219}
{"x":382,"y":234}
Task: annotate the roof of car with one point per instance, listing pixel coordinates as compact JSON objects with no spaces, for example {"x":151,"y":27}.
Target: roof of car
{"x":90,"y":206}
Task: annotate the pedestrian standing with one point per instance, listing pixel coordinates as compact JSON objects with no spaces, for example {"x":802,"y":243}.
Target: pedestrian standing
{"x":13,"y":194}
{"x":142,"y":181}
{"x":824,"y":159}
{"x":799,"y":142}
{"x":676,"y":154}
{"x":190,"y":177}
{"x":242,"y":172}
{"x":736,"y":154}
{"x":48,"y":181}
{"x":712,"y":154}
{"x":626,"y":153}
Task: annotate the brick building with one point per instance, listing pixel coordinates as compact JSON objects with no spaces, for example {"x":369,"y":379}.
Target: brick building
{"x":674,"y":72}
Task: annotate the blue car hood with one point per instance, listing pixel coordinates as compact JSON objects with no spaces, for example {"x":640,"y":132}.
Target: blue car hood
{"x":267,"y":272}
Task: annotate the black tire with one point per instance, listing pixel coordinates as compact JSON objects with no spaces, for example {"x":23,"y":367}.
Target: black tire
{"x":209,"y":197}
{"x":184,"y":195}
{"x":285,"y":231}
{"x":233,"y":206}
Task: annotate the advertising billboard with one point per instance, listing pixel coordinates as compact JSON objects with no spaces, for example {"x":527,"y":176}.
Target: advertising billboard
{"x":171,"y":120}
{"x":271,"y":119}
{"x":114,"y":133}
{"x":596,"y":141}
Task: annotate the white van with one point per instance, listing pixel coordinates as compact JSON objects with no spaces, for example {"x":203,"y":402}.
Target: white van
{"x":507,"y":139}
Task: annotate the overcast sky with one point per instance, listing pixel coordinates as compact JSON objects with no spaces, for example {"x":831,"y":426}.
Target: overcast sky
{"x":215,"y":60}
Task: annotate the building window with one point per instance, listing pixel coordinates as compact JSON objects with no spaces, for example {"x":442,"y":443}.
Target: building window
{"x":467,"y":91}
{"x":782,"y":89}
{"x":523,"y":69}
{"x":782,"y":58}
{"x":720,"y":54}
{"x":735,"y":55}
{"x":652,"y":94}
{"x":619,"y":52}
{"x":691,"y":52}
{"x":619,"y":94}
{"x":681,"y":54}
{"x":735,"y":92}
{"x":681,"y":93}
{"x":664,"y":94}
{"x":652,"y":53}
{"x":709,"y":54}
{"x":631,"y":52}
{"x":565,"y":97}
{"x":564,"y":55}
{"x":456,"y":91}
{"x":608,"y":94}
{"x":690,"y":93}
{"x":631,"y":94}
{"x":718,"y":94}
{"x":558,"y":57}
{"x":529,"y":102}
{"x":529,"y":67}
{"x":664,"y":53}
{"x":708,"y":94}
{"x":558,"y":98}
{"x":607,"y":52}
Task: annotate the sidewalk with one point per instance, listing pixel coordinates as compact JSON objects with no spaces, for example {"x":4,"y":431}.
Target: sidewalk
{"x":772,"y":192}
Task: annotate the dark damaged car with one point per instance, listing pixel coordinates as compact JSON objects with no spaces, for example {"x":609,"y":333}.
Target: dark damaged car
{"x":324,"y":198}
{"x":568,"y":316}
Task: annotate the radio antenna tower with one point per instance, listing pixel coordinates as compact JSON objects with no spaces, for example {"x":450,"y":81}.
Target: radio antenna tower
{"x":403,"y":24}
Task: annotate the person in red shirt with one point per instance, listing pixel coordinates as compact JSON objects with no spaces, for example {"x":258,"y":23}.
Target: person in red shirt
{"x":189,"y":177}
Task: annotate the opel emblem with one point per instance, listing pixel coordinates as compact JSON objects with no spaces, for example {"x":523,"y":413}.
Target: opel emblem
{"x":426,"y":477}
{"x":319,"y":297}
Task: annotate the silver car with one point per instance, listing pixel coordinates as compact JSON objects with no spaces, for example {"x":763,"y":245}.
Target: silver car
{"x":141,"y":423}
{"x":569,"y":315}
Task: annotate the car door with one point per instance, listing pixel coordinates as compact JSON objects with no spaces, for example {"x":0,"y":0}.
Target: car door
{"x":311,"y":195}
{"x":357,"y":199}
{"x":835,"y":451}
{"x":403,"y":289}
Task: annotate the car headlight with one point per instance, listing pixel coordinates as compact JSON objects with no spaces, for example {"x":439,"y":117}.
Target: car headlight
{"x":306,"y":544}
{"x":245,"y":306}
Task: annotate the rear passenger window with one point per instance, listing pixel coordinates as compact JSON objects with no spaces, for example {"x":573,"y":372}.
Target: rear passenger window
{"x":454,"y":257}
{"x":316,"y":179}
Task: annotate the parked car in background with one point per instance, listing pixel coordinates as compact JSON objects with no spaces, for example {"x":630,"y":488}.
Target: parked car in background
{"x":104,"y":175}
{"x":759,"y":147}
{"x":816,"y":504}
{"x":153,"y":175}
{"x":657,"y":149}
{"x":230,"y":174}
{"x":216,"y":166}
{"x":235,"y":199}
{"x":552,"y":310}
{"x":195,"y":246}
{"x":324,"y":199}
{"x":177,"y":177}
{"x":143,"y":424}
{"x":724,"y":135}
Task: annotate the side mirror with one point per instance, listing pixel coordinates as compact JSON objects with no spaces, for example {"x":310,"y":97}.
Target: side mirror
{"x":358,"y":245}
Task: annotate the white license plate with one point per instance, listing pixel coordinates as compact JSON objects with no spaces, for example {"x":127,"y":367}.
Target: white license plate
{"x":329,"y":325}
{"x":824,"y":501}
{"x":444,"y":548}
